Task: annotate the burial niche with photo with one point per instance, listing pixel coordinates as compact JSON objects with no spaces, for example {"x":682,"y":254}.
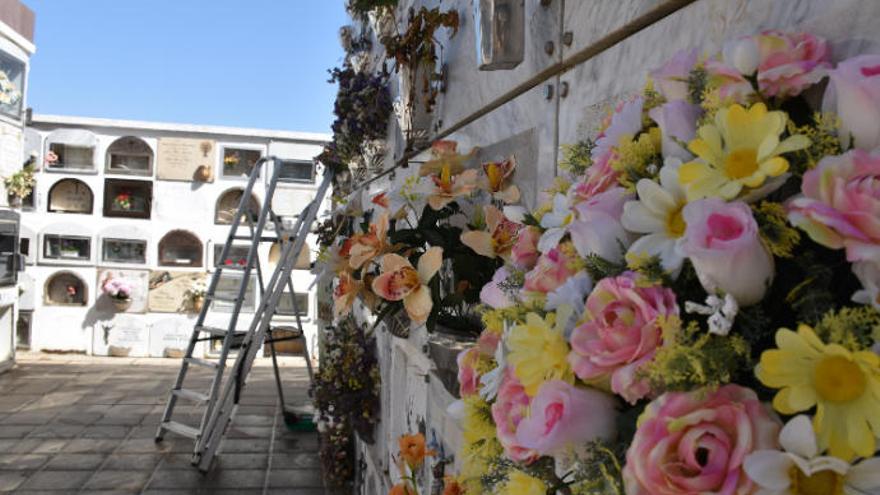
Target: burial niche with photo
{"x":237,"y":255}
{"x":70,"y":196}
{"x":124,"y":251}
{"x":127,"y":198}
{"x":296,"y":171}
{"x":238,"y":162}
{"x":228,"y":203}
{"x":180,"y":248}
{"x":66,"y":247}
{"x":129,"y":155}
{"x":65,"y":289}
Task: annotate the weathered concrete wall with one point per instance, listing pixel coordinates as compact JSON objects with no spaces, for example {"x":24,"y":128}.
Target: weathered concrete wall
{"x":534,"y":125}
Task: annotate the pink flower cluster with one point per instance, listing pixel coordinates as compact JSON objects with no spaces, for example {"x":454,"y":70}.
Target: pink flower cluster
{"x":117,"y":288}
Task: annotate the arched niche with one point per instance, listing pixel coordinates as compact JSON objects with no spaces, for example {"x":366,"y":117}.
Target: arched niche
{"x":70,"y":196}
{"x":180,"y":248}
{"x":303,"y":261}
{"x":227,"y":205}
{"x":65,"y":289}
{"x":70,"y":149}
{"x":129,"y":155}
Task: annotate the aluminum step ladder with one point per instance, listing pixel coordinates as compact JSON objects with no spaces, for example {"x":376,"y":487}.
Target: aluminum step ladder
{"x":220,"y":402}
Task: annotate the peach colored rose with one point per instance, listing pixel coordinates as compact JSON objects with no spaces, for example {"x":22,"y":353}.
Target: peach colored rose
{"x":840,"y":204}
{"x":853,"y":94}
{"x":621,"y":333}
{"x":696,"y":442}
{"x":524,"y":253}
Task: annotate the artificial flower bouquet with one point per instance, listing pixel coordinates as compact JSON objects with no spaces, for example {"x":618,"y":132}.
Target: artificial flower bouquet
{"x":122,"y":201}
{"x":431,"y":245}
{"x":695,"y":309}
{"x":117,"y":288}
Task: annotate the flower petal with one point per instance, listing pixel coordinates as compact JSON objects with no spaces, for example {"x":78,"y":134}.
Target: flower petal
{"x":768,"y":468}
{"x":418,"y":304}
{"x":797,"y":437}
{"x":480,"y":242}
{"x":429,"y":263}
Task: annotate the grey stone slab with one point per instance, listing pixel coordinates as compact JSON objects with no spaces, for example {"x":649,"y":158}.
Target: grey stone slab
{"x":76,"y":462}
{"x":30,"y":418}
{"x":10,"y":480}
{"x":57,"y":431}
{"x":249,"y":432}
{"x":138,"y":462}
{"x":176,"y":479}
{"x":78,"y":417}
{"x":120,"y":420}
{"x":254,"y":420}
{"x":105,"y":431}
{"x":17,"y":431}
{"x":124,"y":480}
{"x":57,"y":480}
{"x":241,"y":461}
{"x":39,"y":446}
{"x":91,"y":446}
{"x":236,"y":478}
{"x":295,"y":461}
{"x":295,"y":478}
{"x":22,"y":462}
{"x":242,"y":445}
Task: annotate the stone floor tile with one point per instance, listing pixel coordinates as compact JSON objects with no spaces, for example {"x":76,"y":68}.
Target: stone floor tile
{"x":57,"y":431}
{"x":22,"y":462}
{"x":121,"y":480}
{"x":241,"y":461}
{"x":249,"y":432}
{"x":236,"y":478}
{"x":10,"y":480}
{"x":295,"y":478}
{"x":177,"y":479}
{"x":76,"y":462}
{"x":91,"y":446}
{"x":295,"y":461}
{"x":106,"y":431}
{"x":18,"y":431}
{"x":138,"y":462}
{"x":39,"y":445}
{"x":243,"y":446}
{"x":254,"y":420}
{"x":57,"y":480}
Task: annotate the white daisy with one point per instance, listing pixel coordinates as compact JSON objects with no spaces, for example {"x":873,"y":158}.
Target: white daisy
{"x":657,"y":215}
{"x":800,"y":470}
{"x":556,"y":223}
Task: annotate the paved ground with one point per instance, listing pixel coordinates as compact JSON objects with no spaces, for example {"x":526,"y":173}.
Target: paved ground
{"x":74,"y":424}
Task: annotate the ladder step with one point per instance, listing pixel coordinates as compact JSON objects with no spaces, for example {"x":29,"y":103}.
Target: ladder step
{"x":221,"y":298}
{"x":185,"y":393}
{"x":181,"y":429}
{"x":219,"y":332}
{"x":202,"y":362}
{"x":238,"y":268}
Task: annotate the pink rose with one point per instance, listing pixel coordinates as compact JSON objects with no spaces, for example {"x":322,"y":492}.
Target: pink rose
{"x":509,"y":409}
{"x":598,"y":178}
{"x":597,"y":229}
{"x":469,"y":359}
{"x":562,"y":415}
{"x":671,"y":79}
{"x":854,"y":95}
{"x":787,"y":64}
{"x":621,"y":333}
{"x":840,"y":204}
{"x":696,"y":442}
{"x":550,"y":272}
{"x":678,"y":125}
{"x":524,"y":253}
{"x":492,"y":294}
{"x":721,"y":239}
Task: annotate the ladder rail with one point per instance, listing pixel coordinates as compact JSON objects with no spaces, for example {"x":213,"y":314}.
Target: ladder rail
{"x":222,"y":413}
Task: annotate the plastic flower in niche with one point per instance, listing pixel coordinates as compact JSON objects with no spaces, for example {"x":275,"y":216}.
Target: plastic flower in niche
{"x":657,"y":215}
{"x":497,"y":240}
{"x":446,"y":187}
{"x":497,"y":180}
{"x":739,"y":151}
{"x":538,"y":350}
{"x":555,"y":222}
{"x":399,"y":281}
{"x":366,"y":246}
{"x":799,"y":469}
{"x":347,"y":288}
{"x":843,"y":385}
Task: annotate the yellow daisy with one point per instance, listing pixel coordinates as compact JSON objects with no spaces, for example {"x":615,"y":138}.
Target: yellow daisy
{"x":539,"y":351}
{"x":519,"y":483}
{"x":843,"y":385}
{"x":740,"y":150}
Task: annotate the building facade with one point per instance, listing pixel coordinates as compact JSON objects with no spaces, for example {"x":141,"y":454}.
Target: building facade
{"x":149,"y":203}
{"x":16,"y":48}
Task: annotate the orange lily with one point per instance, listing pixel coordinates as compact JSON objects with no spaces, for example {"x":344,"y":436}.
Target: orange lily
{"x":367,"y":246}
{"x":400,"y":281}
{"x":497,"y":174}
{"x":344,"y":294}
{"x":401,"y":489}
{"x":497,"y":240}
{"x":448,"y":186}
{"x":413,"y":450}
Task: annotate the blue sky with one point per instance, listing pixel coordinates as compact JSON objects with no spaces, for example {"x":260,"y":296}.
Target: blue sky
{"x":248,"y":63}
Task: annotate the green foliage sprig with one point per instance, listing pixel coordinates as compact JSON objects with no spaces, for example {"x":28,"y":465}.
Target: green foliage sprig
{"x":21,"y":183}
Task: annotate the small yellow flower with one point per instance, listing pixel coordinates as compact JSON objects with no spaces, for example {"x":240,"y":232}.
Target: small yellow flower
{"x":741,"y":150}
{"x":539,"y":351}
{"x":519,"y":483}
{"x":843,"y":385}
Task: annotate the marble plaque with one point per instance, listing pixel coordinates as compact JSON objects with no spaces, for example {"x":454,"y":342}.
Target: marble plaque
{"x":139,"y":280}
{"x":122,"y":336}
{"x":180,"y":158}
{"x":167,"y":290}
{"x":169,"y":338}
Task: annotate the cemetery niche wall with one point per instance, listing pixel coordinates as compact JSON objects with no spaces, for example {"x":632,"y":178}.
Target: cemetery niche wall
{"x":550,"y":132}
{"x":70,"y":196}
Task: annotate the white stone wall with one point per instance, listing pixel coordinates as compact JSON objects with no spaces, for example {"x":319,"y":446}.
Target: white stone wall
{"x":176,"y":205}
{"x":534,"y":125}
